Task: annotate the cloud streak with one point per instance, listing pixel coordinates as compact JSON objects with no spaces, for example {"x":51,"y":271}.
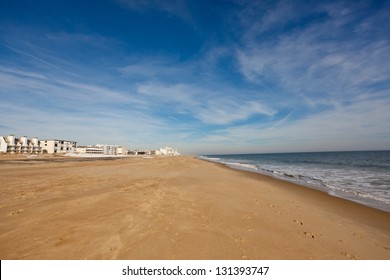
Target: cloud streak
{"x":320,"y":130}
{"x":52,"y":65}
{"x":208,"y":107}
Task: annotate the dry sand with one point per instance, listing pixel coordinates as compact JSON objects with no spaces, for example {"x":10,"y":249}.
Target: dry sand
{"x":174,"y":208}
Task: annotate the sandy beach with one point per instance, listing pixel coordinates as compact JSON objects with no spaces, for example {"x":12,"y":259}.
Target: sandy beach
{"x":174,"y":208}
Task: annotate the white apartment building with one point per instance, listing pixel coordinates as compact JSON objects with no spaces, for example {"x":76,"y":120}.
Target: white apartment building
{"x":55,"y":146}
{"x":11,"y":144}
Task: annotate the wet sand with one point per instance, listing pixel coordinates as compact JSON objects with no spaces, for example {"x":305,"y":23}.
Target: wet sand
{"x":174,"y":208}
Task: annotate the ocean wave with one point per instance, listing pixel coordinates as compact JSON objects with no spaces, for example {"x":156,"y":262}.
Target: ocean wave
{"x":243,"y":165}
{"x":230,"y":163}
{"x":209,"y":158}
{"x":339,"y":191}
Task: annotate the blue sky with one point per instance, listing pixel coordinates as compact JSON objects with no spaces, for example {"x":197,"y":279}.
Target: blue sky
{"x":206,"y":77}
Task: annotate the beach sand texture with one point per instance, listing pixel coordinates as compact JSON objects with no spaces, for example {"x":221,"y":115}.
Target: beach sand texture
{"x":174,"y":208}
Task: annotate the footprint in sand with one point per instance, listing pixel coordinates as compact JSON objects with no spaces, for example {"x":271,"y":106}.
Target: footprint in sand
{"x":348,"y":255}
{"x":309,"y":234}
{"x":240,"y":239}
{"x":60,"y":242}
{"x":22,"y":195}
{"x":273,"y":206}
{"x":298,"y":222}
{"x":245,"y":217}
{"x":249,"y":228}
{"x":14,"y":213}
{"x":358,"y":235}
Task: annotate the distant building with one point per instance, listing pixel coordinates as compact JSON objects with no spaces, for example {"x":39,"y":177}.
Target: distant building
{"x":155,"y":152}
{"x":108,"y":149}
{"x":81,"y":150}
{"x":168,"y":151}
{"x":11,"y":144}
{"x":102,"y":149}
{"x":121,"y":150}
{"x":89,"y":150}
{"x":55,"y":146}
{"x":132,"y":152}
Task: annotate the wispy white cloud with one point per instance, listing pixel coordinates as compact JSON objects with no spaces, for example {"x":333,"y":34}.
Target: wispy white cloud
{"x":86,"y":121}
{"x":321,"y":62}
{"x":187,"y":126}
{"x":22,"y":73}
{"x":210,"y":107}
{"x":59,"y":92}
{"x":171,"y":96}
{"x":158,"y":67}
{"x":178,"y":8}
{"x":35,"y":104}
{"x":225,"y":111}
{"x":40,"y":60}
{"x":98,"y":113}
{"x":363,"y":125}
{"x":274,"y":17}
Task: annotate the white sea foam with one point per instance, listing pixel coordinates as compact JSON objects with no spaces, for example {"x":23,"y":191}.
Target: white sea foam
{"x":209,"y":158}
{"x":230,"y":163}
{"x":243,"y":165}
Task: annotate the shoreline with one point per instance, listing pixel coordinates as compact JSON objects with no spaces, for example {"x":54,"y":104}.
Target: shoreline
{"x":307,"y":186}
{"x":353,"y":196}
{"x":363,"y":210}
{"x":176,"y":208}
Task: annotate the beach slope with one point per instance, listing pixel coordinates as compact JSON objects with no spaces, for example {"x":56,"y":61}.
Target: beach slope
{"x":174,"y":208}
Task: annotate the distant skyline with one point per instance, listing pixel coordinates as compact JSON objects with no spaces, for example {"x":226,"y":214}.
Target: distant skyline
{"x":205,"y":77}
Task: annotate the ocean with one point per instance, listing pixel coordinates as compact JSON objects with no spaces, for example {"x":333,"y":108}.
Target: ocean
{"x":363,"y":177}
